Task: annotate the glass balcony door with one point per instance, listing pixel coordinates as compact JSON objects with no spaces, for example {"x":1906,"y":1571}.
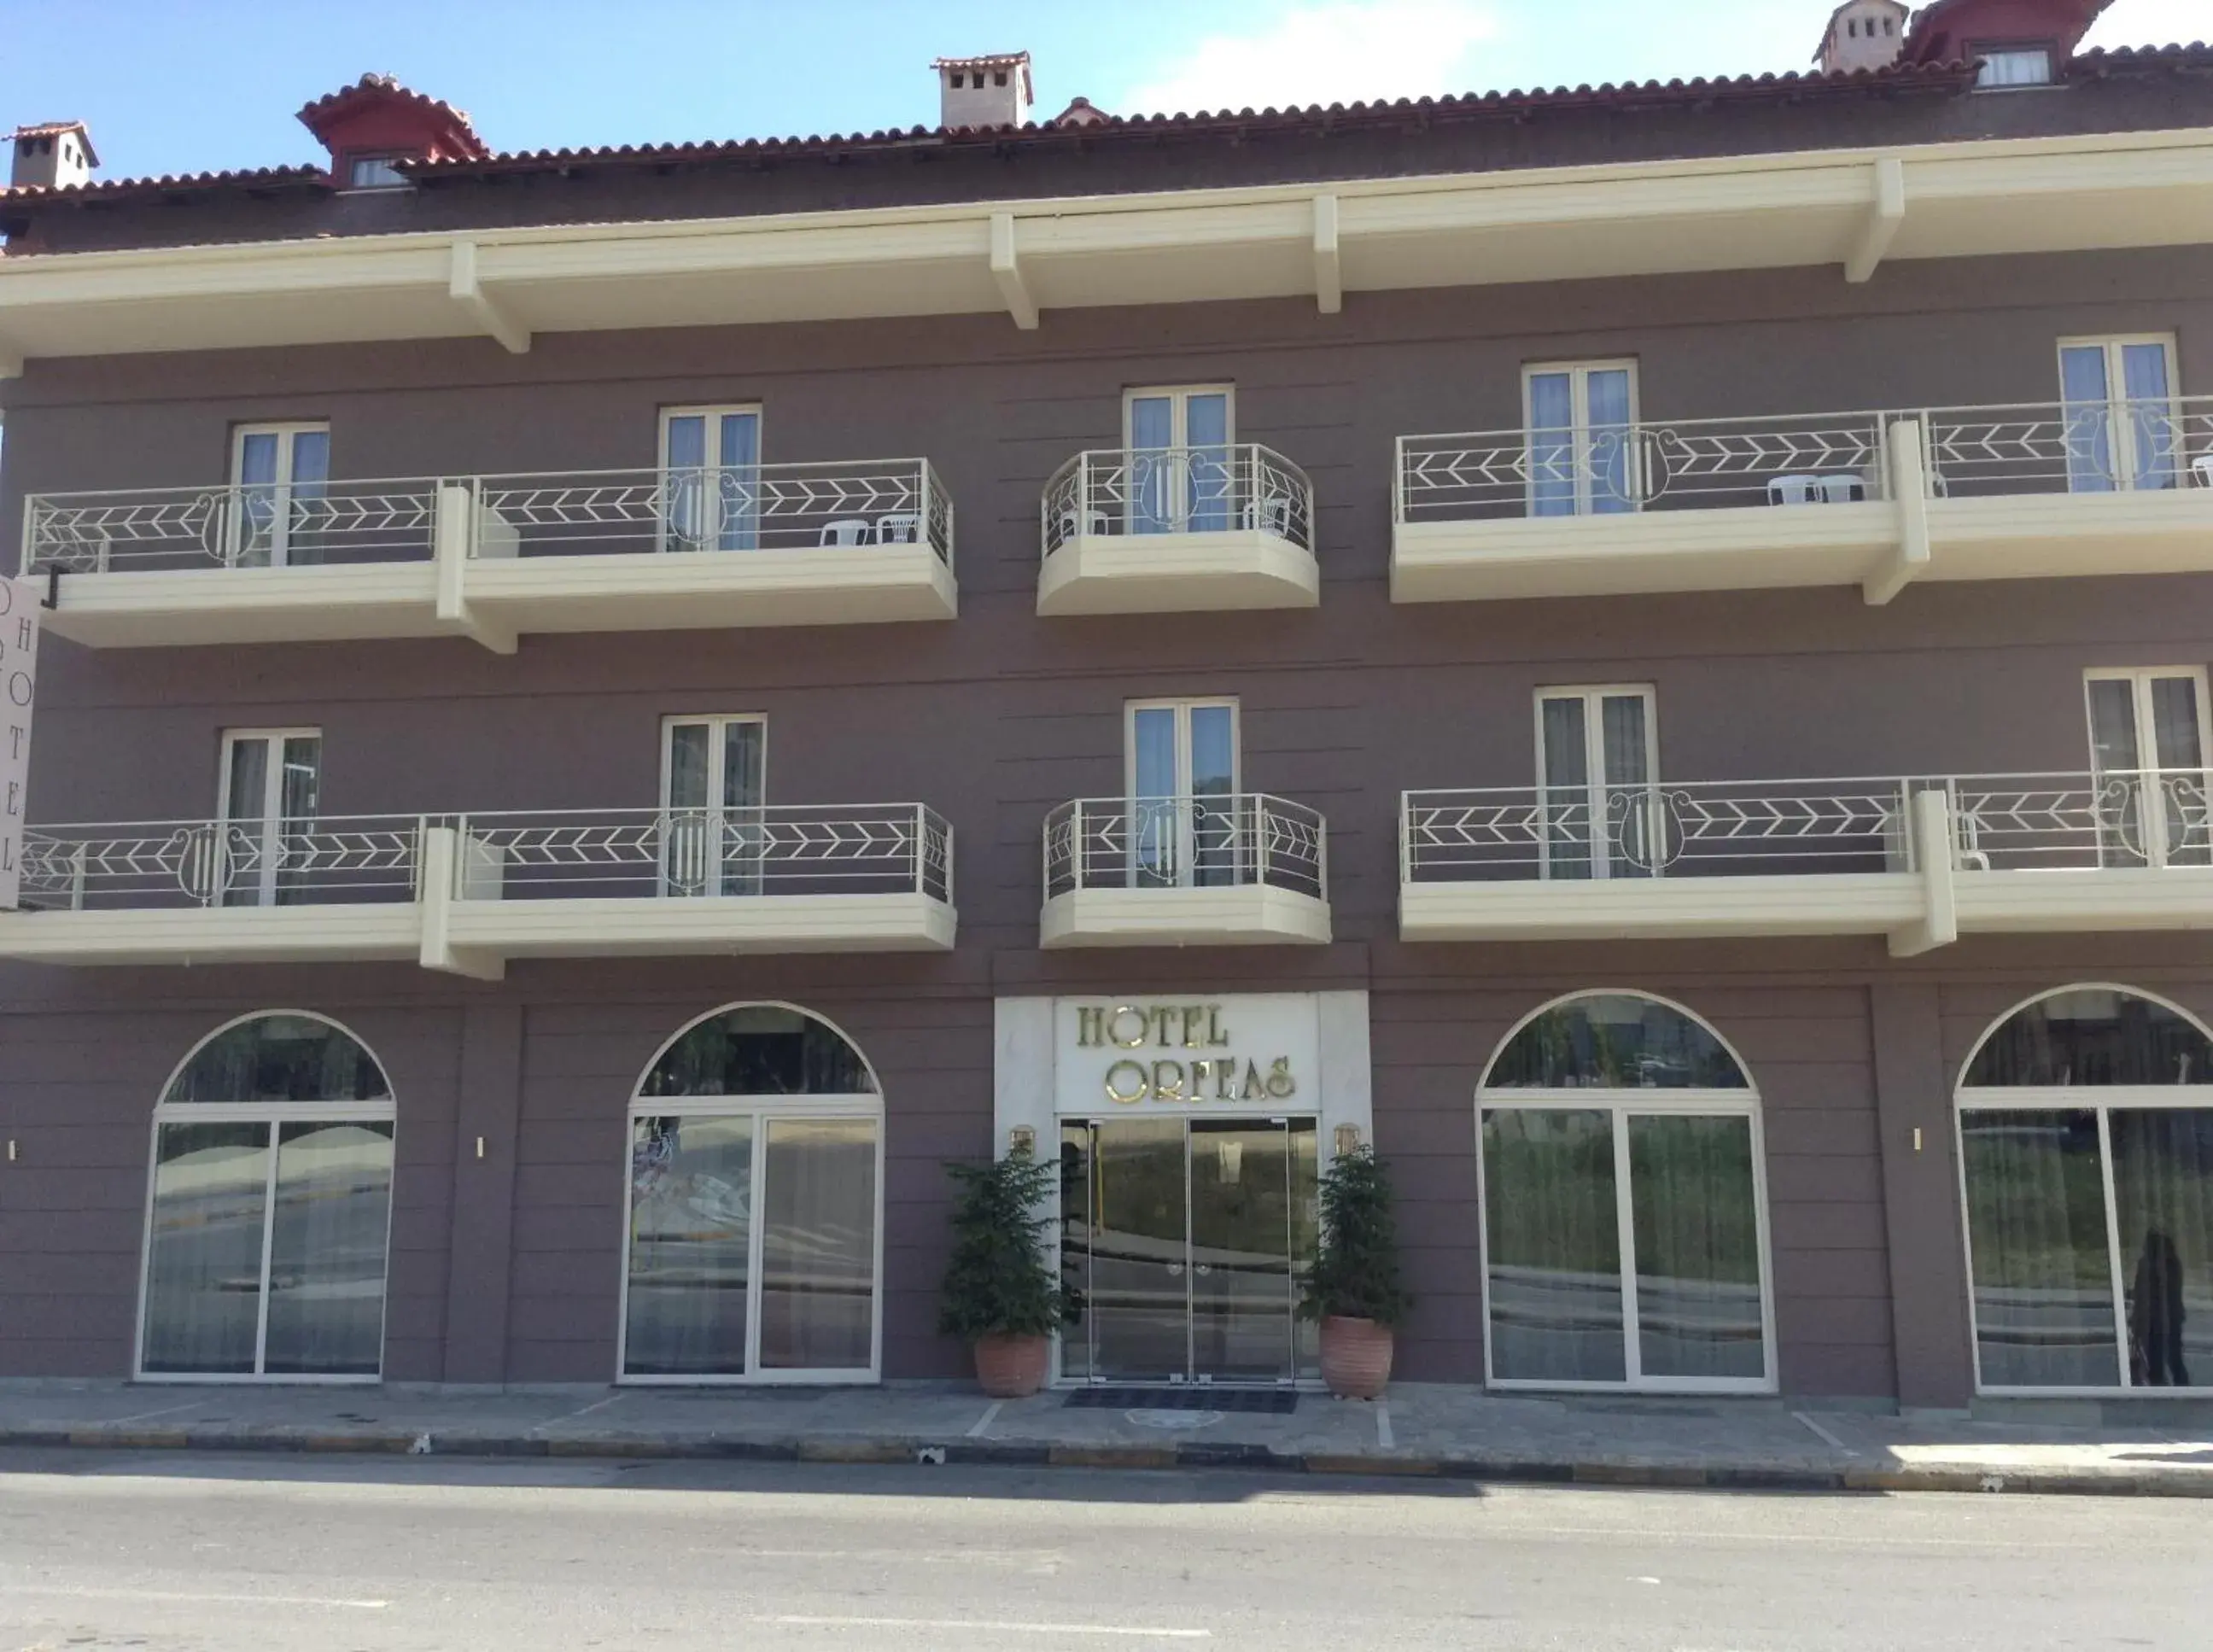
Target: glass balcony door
{"x":279,"y":474}
{"x":2122,"y":429}
{"x":711,"y":472}
{"x":1182,"y":781}
{"x":1597,"y":772}
{"x":1178,"y":442}
{"x":714,"y":783}
{"x":2148,"y":733}
{"x":1582,"y":420}
{"x":271,"y":792}
{"x":1185,"y":1238}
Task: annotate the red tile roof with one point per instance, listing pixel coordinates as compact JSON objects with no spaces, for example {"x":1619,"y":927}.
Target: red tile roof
{"x":383,"y":90}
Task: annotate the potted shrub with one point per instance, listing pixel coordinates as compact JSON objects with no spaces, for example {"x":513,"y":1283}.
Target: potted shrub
{"x":1000,"y":1294}
{"x":1353,"y":1287}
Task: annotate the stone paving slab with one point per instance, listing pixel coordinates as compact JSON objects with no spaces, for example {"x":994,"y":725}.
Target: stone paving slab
{"x":1419,"y":1429}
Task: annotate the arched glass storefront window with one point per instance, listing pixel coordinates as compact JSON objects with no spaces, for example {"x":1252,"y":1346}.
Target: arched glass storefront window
{"x":2086,"y":1150}
{"x":1624,"y":1204}
{"x":755,"y":1204}
{"x":271,"y":1207}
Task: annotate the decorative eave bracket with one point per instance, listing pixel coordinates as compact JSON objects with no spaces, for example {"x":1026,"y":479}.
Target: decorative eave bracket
{"x":1007,"y":270}
{"x":1886,"y":215}
{"x":478,"y":305}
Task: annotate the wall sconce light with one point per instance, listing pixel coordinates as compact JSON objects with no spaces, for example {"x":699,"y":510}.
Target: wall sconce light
{"x":1022,"y":1138}
{"x":1348,"y":1138}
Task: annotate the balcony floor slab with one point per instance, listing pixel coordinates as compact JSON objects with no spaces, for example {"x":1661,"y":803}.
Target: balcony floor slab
{"x":651,"y":926}
{"x":1177,"y":573}
{"x":1244,"y":916}
{"x":328,"y":602}
{"x":1679,"y":908}
{"x":214,"y":935}
{"x":713,"y":589}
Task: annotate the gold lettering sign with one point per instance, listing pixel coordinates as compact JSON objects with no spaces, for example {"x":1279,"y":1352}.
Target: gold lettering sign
{"x":1129,"y":1082}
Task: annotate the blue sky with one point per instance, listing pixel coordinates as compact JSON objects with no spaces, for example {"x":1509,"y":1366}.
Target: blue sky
{"x":192,"y":85}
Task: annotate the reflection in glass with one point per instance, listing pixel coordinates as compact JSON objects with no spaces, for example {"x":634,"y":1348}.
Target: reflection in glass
{"x":691,"y":1235}
{"x":280,"y":1058}
{"x":1696,"y":1226}
{"x":2092,"y":1036}
{"x":760,"y":1050}
{"x":326,"y":1255}
{"x":203,"y":1254}
{"x":2163,"y":1211}
{"x":819,"y":1244}
{"x":1554,"y":1246}
{"x":1614,"y":1041}
{"x":1139,"y":1306}
{"x":2036,"y":1224}
{"x":1244,"y":1216}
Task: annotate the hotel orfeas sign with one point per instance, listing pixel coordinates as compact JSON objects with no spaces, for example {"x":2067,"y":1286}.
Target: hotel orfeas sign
{"x":1186,"y":1051}
{"x":19,"y":681}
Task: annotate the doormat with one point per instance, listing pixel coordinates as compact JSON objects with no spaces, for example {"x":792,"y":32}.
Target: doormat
{"x":1278,"y":1402}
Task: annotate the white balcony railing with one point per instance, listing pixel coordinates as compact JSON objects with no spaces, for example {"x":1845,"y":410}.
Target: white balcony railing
{"x":170,"y":865}
{"x":1232,"y":841}
{"x":1804,"y":827}
{"x":676,"y":853}
{"x":153,"y":530}
{"x":729,"y":508}
{"x":1801,"y":460}
{"x":1116,"y":492}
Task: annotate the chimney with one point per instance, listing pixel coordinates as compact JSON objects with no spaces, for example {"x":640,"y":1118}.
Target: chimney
{"x":56,"y":154}
{"x":988,"y":91}
{"x":1863,"y":35}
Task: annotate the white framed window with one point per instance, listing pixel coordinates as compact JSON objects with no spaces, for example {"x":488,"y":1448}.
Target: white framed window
{"x":2085,"y":1129}
{"x":269,"y":1208}
{"x":279,"y":476}
{"x":1581,"y":417}
{"x":1598,"y":769}
{"x":714,"y":785}
{"x":753,"y":1210}
{"x":1178,"y":440}
{"x":2147,"y":757}
{"x":1624,"y":1191}
{"x":374,"y":172}
{"x":1181,"y":775}
{"x":269,"y":796}
{"x":2010,"y":67}
{"x":2122,"y":420}
{"x":710,"y":460}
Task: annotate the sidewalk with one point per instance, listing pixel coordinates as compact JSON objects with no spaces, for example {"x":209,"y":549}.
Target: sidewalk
{"x":1421,"y":1430}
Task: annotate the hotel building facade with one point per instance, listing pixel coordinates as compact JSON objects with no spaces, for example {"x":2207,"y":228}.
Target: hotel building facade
{"x":603,"y":713}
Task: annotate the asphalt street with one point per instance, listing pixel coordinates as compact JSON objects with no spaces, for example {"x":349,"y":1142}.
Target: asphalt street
{"x":160,"y":1553}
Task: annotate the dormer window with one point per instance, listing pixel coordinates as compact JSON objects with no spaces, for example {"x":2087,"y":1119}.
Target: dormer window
{"x":2005,"y":67}
{"x":374,"y":172}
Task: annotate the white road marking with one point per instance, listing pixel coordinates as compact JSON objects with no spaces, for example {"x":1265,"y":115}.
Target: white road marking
{"x":1825,"y":1433}
{"x":795,"y":1620}
{"x":165,"y":1411}
{"x":1383,"y":1435}
{"x":172,"y":1597}
{"x":569,"y":1416}
{"x":982,"y":1424}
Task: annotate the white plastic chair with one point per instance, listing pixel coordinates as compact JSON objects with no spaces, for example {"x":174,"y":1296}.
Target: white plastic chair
{"x":853,"y":530}
{"x":900,"y":527}
{"x":1793,"y":490}
{"x":1273,"y":515}
{"x":1094,"y":522}
{"x":1844,"y":489}
{"x":2202,"y":468}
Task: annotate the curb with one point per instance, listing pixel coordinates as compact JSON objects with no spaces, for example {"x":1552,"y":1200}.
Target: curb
{"x":1189,"y":1454}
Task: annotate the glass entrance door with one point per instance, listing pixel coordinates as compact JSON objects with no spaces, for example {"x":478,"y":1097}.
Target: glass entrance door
{"x":1185,"y":1238}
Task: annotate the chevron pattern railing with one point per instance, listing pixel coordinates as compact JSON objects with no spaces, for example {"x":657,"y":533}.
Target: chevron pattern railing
{"x":2120,"y":446}
{"x":1682,"y":463}
{"x":1796,"y":827}
{"x":1115,"y":491}
{"x":716,"y":507}
{"x":575,"y":854}
{"x":251,"y":526}
{"x":1166,"y":842}
{"x":162,"y":864}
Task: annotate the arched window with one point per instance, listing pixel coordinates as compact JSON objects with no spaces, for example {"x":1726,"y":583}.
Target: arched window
{"x":270,"y":1206}
{"x":2086,"y":1151}
{"x":1624,"y":1204}
{"x":754,"y":1209}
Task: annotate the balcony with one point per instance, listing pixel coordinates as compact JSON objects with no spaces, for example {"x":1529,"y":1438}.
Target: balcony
{"x":1178,"y":530}
{"x":1919,"y":860}
{"x":634,"y":883}
{"x":466,"y":893}
{"x":1876,"y":499}
{"x":1215,"y":871}
{"x":213,"y":892}
{"x":495,"y":557}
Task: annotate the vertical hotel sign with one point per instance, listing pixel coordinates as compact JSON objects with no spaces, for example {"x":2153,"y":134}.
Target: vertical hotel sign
{"x":19,"y":684}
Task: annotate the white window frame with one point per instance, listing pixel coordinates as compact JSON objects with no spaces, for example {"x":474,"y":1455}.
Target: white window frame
{"x":1179,"y":397}
{"x":2148,"y":772}
{"x":2103,"y":1100}
{"x":1186,"y":845}
{"x":274,"y":1115}
{"x":711,"y":469}
{"x":268,"y":826}
{"x":1596,"y":788}
{"x":1579,"y":436}
{"x":1993,"y":52}
{"x":762,"y":1109}
{"x":287,"y":432}
{"x":717,"y":724}
{"x":1620,"y":1105}
{"x":2121,"y":430}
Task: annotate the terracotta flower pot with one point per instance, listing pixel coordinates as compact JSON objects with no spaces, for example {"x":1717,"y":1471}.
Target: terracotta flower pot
{"x":1356,"y":1358}
{"x":1012,"y":1367}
